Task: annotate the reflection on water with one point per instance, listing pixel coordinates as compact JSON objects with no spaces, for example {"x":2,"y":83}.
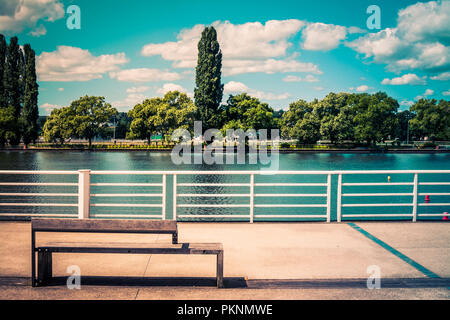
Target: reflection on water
{"x":161,"y":161}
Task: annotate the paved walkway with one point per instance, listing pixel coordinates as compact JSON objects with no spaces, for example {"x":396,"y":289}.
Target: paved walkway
{"x":261,"y":261}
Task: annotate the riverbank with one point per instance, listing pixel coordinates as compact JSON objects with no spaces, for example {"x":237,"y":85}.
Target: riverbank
{"x":290,"y":150}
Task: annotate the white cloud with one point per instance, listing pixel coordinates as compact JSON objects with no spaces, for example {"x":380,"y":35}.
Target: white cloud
{"x":269,"y":66}
{"x":75,"y":64}
{"x":409,"y":78}
{"x":320,"y":36}
{"x":308,"y":78}
{"x":446,"y":93}
{"x":419,"y":41}
{"x":172,"y":87}
{"x":239,"y":87}
{"x":248,"y":40}
{"x":17,"y":15}
{"x":428,"y":92}
{"x":137,"y":89}
{"x":39,"y":31}
{"x":362,"y":88}
{"x":442,"y":77}
{"x":129,"y":102}
{"x":407,"y":103}
{"x":144,"y":75}
{"x":319,"y":88}
{"x":246,"y":48}
{"x":48,"y":108}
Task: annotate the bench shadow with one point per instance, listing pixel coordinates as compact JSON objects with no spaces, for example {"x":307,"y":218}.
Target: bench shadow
{"x":229,"y":282}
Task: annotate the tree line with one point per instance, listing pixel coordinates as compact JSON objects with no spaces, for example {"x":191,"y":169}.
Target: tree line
{"x":18,"y":93}
{"x":337,"y":118}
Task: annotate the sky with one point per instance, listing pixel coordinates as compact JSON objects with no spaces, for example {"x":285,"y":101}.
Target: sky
{"x":278,"y":51}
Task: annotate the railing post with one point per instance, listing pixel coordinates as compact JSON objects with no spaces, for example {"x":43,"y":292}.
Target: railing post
{"x":174,"y":202}
{"x":84,"y":193}
{"x":329,"y":197}
{"x":164,"y":189}
{"x":414,"y":213}
{"x":339,"y":198}
{"x":252,"y":196}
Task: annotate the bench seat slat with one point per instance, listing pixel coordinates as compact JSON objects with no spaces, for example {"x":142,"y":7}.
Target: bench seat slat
{"x":130,"y":247}
{"x":104,"y":225}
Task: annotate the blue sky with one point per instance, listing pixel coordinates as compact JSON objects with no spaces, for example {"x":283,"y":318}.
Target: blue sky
{"x":278,"y":51}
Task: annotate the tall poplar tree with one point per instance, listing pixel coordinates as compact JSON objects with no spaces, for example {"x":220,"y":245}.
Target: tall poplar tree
{"x":2,"y":70}
{"x":209,"y":89}
{"x":13,"y":84}
{"x":30,"y":112}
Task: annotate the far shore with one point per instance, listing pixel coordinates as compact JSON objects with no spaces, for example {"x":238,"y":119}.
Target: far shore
{"x":291,"y":150}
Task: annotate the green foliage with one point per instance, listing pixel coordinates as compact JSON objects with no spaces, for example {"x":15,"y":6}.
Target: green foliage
{"x":432,"y":119}
{"x":2,"y":71}
{"x":13,"y":84}
{"x":161,"y":115}
{"x":30,"y":113}
{"x":340,"y":117}
{"x":85,"y":118}
{"x":58,"y":126}
{"x":208,"y":90}
{"x":246,"y":112}
{"x":375,"y":119}
{"x":18,"y":93}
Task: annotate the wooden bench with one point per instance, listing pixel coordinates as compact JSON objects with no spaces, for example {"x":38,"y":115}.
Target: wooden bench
{"x":44,"y":251}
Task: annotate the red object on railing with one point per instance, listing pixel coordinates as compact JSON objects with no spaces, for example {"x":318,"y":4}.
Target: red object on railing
{"x":427,"y":199}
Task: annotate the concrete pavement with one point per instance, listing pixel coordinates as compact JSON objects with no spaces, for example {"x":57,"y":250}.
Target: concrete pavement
{"x":261,"y":261}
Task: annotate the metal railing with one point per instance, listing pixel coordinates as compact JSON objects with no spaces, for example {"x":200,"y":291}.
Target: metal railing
{"x":251,"y":184}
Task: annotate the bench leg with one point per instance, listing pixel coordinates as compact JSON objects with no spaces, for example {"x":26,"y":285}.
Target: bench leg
{"x":174,"y":238}
{"x":220,"y":270}
{"x":44,"y":267}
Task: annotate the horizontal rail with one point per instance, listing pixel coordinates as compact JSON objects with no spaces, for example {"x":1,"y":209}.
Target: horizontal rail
{"x":213,"y":184}
{"x":131,"y":195}
{"x":129,"y":205}
{"x":378,"y":205}
{"x":193,"y":195}
{"x":13,"y":204}
{"x":379,"y":184}
{"x":376,"y":194}
{"x":38,"y":184}
{"x":39,"y":194}
{"x":106,"y":184}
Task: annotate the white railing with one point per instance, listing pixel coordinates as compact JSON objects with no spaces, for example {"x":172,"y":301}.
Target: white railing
{"x":414,"y":194}
{"x":249,"y":196}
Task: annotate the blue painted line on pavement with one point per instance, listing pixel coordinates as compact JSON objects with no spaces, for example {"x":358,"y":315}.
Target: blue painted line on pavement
{"x":425,"y":271}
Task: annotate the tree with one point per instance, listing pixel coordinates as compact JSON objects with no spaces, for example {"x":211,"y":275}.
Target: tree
{"x":296,"y":112}
{"x":13,"y":87}
{"x":161,"y":115}
{"x":432,"y":119}
{"x":59,"y":125}
{"x":208,"y":92}
{"x":307,"y":129}
{"x":375,"y":118}
{"x":334,"y":115}
{"x":5,"y":118}
{"x":91,"y":116}
{"x":403,"y":127}
{"x":246,"y":112}
{"x":3,"y":47}
{"x":85,"y":118}
{"x":30,"y":112}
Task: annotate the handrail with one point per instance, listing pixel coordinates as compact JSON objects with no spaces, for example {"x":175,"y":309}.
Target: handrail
{"x":250,"y":195}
